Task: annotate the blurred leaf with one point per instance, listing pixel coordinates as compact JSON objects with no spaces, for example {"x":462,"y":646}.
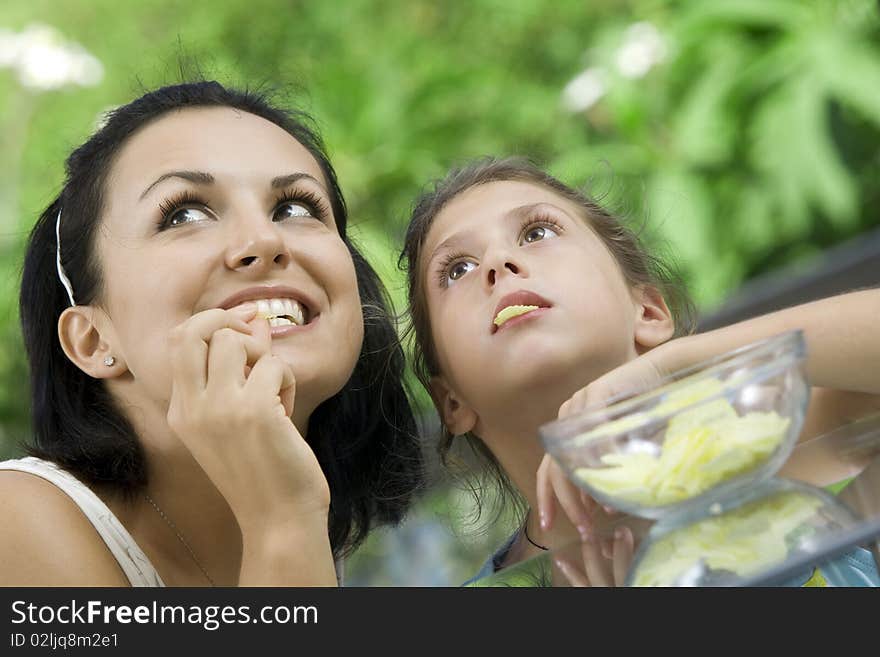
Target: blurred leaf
{"x":792,"y":146}
{"x":850,"y":70}
{"x":700,"y":16}
{"x":703,"y":128}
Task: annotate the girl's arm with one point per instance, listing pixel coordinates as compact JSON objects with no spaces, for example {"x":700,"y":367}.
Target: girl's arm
{"x":842,"y":365}
{"x":841,"y":334}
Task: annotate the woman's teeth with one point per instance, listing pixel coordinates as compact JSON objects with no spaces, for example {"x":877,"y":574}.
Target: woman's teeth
{"x":512,"y":311}
{"x":281,"y":312}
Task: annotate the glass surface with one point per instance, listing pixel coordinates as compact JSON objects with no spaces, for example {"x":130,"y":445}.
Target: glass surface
{"x":721,"y":425}
{"x":778,"y":532}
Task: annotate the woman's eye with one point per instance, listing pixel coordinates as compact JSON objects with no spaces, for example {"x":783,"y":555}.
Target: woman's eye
{"x":293,"y":209}
{"x":459,"y":269}
{"x":538,"y":233}
{"x":187,"y":216}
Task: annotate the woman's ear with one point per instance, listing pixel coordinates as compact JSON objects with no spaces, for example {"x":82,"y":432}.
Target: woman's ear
{"x":84,"y":338}
{"x":457,"y":416}
{"x":653,"y":322}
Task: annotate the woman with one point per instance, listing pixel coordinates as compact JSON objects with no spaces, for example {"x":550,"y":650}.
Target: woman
{"x":217,"y":389}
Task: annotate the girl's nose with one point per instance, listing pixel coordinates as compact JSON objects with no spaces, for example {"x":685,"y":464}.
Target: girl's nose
{"x":258,"y":247}
{"x":499,"y":266}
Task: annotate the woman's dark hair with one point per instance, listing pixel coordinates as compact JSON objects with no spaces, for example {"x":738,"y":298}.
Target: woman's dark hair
{"x":365,"y":437}
{"x":638,"y":266}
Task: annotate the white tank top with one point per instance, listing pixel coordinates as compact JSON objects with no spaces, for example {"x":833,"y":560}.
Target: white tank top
{"x":131,"y":559}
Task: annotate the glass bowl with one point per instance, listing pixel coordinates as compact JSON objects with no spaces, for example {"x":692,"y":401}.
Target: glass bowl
{"x":752,"y":532}
{"x":722,"y":424}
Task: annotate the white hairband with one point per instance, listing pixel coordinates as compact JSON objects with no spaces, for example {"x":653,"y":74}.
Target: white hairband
{"x":64,"y":280}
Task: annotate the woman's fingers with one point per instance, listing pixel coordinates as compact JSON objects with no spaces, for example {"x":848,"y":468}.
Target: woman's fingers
{"x":227,"y":357}
{"x":272,"y":374}
{"x":188,"y":343}
{"x":231,"y":354}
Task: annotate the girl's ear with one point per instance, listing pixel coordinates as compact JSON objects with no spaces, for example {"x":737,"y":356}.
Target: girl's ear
{"x":83,"y":336}
{"x":457,"y":416}
{"x":653,"y":322}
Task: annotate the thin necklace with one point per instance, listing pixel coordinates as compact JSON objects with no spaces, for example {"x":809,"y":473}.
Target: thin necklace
{"x":182,"y":539}
{"x":526,"y":532}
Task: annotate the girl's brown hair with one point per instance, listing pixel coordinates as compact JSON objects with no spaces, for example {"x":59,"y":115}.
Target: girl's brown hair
{"x":638,"y":266}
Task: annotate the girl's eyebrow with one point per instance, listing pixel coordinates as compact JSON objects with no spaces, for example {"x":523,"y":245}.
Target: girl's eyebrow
{"x":203,"y":178}
{"x":514,"y":214}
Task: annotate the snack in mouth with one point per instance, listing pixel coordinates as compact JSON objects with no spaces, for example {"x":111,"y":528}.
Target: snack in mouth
{"x":281,"y":312}
{"x":702,"y":447}
{"x":512,"y":311}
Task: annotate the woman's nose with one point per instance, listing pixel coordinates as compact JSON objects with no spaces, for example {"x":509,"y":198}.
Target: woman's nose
{"x":258,"y":244}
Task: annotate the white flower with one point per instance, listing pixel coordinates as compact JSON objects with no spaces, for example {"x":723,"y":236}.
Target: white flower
{"x":8,"y":48}
{"x":585,"y":90}
{"x":643,"y":48}
{"x":44,"y":60}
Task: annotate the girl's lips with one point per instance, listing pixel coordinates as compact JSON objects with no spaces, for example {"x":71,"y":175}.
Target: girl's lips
{"x":518,"y":298}
{"x":532,"y":314}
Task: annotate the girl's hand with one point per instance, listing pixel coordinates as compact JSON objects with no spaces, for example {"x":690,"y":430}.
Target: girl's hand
{"x":553,"y":485}
{"x":601,"y":562}
{"x":231,"y":402}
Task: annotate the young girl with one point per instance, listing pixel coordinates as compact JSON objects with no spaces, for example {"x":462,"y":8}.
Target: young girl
{"x":216,"y":386}
{"x":528,"y":300}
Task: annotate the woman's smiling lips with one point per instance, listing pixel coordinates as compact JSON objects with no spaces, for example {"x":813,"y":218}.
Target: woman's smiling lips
{"x":287,"y":302}
{"x":529,"y":305}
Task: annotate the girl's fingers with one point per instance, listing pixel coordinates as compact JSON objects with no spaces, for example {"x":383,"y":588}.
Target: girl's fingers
{"x":545,"y":496}
{"x":595,"y":564}
{"x":574,"y":576}
{"x":624,"y":545}
{"x":188,"y":343}
{"x":588,"y":502}
{"x":568,"y":496}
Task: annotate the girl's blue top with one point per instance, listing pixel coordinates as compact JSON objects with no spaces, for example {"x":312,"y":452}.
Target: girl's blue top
{"x":856,"y":568}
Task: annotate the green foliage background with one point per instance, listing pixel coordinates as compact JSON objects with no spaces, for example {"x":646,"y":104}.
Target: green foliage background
{"x":751,"y":145}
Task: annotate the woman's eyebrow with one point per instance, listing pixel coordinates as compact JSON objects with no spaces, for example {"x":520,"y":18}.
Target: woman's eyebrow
{"x":290,"y":179}
{"x":203,"y":178}
{"x":197,"y":177}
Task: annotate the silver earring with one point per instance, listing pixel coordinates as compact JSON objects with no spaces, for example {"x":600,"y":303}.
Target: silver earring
{"x":109,"y":361}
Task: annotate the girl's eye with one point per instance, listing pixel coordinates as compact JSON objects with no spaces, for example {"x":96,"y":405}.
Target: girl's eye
{"x":186,"y":216}
{"x":293,"y":209}
{"x":459,"y":269}
{"x":538,"y":233}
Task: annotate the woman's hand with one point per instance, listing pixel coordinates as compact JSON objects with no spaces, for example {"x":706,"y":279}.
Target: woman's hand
{"x":231,"y":403}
